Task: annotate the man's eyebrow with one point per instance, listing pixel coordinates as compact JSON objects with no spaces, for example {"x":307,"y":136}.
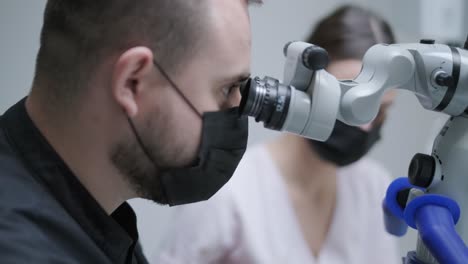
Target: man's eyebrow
{"x":237,"y":79}
{"x":250,"y":2}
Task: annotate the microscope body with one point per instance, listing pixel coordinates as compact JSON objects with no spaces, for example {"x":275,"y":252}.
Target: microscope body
{"x":451,"y":173}
{"x":310,"y":100}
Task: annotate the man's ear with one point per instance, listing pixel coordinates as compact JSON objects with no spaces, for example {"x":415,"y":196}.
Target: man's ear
{"x":131,"y":69}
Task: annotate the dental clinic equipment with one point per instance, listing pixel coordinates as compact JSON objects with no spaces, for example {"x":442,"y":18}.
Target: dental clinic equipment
{"x":309,"y":100}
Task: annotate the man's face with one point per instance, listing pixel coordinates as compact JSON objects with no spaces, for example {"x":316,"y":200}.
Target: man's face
{"x":210,"y":81}
{"x":169,"y":128}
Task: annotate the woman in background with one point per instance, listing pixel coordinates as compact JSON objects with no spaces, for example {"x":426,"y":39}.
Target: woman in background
{"x":296,"y":200}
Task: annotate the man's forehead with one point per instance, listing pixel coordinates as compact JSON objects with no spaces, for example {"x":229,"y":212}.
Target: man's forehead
{"x":230,"y":28}
{"x":231,"y":20}
{"x":225,"y":52}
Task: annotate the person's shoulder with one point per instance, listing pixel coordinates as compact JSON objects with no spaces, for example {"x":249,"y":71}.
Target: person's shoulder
{"x":244,"y":183}
{"x":366,"y":177}
{"x":25,"y":211}
{"x":365,"y":184}
{"x":253,"y":173}
{"x":35,"y":228}
{"x":254,"y":169}
{"x":367,"y":168}
{"x":254,"y":157}
{"x":13,"y":173}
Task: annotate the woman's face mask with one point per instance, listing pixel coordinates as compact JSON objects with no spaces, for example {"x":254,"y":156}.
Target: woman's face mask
{"x":347,"y":144}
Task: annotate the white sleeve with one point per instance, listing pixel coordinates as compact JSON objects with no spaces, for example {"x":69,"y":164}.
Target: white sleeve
{"x":200,"y":233}
{"x":386,"y":250}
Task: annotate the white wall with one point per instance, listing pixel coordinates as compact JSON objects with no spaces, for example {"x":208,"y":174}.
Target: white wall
{"x":279,"y":21}
{"x":20,"y":25}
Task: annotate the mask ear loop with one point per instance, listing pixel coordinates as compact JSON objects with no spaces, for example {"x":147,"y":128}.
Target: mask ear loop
{"x":140,"y":142}
{"x":149,"y":157}
{"x":132,"y":125}
{"x":161,"y":70}
{"x":137,"y":135}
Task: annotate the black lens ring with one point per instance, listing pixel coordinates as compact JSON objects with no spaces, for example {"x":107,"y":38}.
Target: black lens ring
{"x":278,"y":116}
{"x":262,"y":98}
{"x":268,"y":105}
{"x":246,"y":93}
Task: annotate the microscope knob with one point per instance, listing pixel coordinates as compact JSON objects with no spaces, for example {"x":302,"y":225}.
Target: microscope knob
{"x":421,"y":171}
{"x":286,"y":47}
{"x":315,"y":58}
{"x":427,"y":41}
{"x":444,"y":79}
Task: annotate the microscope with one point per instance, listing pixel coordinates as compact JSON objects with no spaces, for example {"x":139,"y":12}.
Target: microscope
{"x":434,"y":197}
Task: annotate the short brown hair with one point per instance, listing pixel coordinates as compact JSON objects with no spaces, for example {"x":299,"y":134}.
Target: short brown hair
{"x":349,"y":32}
{"x":77,"y":34}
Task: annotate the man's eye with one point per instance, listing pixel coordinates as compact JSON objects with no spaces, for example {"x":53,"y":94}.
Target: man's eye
{"x":228,"y":89}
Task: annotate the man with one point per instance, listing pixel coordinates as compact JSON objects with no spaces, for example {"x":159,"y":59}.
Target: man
{"x":130,"y":99}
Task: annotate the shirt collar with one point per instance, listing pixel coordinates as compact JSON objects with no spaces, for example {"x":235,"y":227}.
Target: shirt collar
{"x":115,"y":234}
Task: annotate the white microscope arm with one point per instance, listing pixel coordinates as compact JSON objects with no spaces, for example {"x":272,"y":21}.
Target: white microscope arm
{"x":435,"y":73}
{"x":431,"y":71}
{"x":310,"y":100}
{"x":384,"y":67}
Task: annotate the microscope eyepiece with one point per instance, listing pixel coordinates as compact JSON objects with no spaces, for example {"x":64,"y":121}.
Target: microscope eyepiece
{"x":267,"y":100}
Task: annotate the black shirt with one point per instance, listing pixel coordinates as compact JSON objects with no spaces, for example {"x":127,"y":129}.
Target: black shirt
{"x":46,"y":214}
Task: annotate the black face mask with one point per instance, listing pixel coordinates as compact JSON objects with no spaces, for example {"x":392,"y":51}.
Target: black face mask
{"x":347,"y":144}
{"x":223,"y":144}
